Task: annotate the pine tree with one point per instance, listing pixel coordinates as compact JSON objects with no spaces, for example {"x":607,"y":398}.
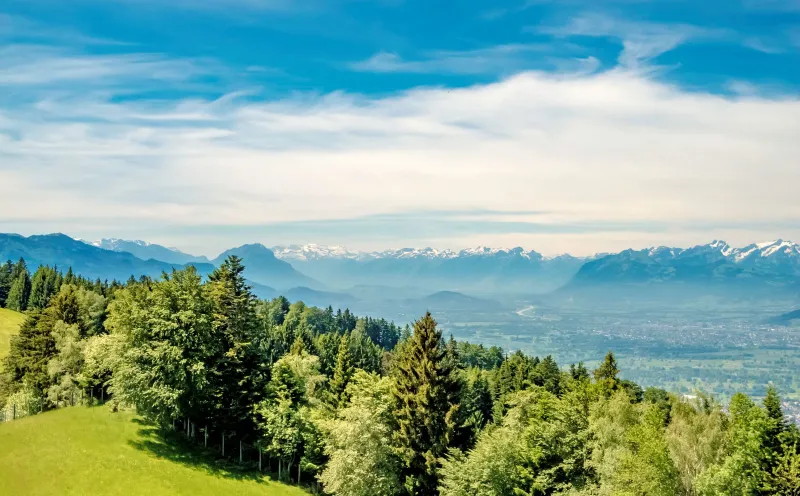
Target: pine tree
{"x":772,"y":404}
{"x":31,"y":350}
{"x":19,"y":293}
{"x":6,"y":279}
{"x":241,"y":369}
{"x":342,"y":373}
{"x":606,"y":374}
{"x":70,"y":277}
{"x":42,"y":287}
{"x":578,"y":373}
{"x":425,"y":406}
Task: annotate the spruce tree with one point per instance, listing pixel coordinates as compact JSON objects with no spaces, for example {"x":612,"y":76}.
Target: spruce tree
{"x":6,"y":279}
{"x":425,"y":406}
{"x":342,"y":373}
{"x":31,"y":350}
{"x":606,"y":373}
{"x":40,"y":292}
{"x":772,"y":404}
{"x":241,"y":370}
{"x":19,"y":293}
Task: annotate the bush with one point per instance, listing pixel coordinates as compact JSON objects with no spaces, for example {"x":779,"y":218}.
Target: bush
{"x":22,"y":404}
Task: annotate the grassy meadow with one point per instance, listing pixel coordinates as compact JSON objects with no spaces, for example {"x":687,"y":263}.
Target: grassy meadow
{"x":9,"y":324}
{"x":91,"y":451}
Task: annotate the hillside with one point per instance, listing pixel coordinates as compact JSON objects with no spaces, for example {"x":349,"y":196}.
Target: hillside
{"x":90,"y":451}
{"x":9,"y":325}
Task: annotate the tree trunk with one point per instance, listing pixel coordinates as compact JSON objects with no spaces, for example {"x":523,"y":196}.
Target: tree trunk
{"x":298,"y":472}
{"x":223,"y":443}
{"x":280,"y":464}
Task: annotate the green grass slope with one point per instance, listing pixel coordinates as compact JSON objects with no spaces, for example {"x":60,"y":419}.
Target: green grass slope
{"x":9,"y":324}
{"x":91,"y":451}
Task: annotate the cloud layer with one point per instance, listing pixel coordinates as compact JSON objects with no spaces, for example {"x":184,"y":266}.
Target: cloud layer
{"x":560,"y":154}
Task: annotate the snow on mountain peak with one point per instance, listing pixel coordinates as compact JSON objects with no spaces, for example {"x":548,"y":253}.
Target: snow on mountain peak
{"x":722,"y":246}
{"x":312,"y":251}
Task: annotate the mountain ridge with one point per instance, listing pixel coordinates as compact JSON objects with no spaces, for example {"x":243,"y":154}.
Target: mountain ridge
{"x":58,"y":249}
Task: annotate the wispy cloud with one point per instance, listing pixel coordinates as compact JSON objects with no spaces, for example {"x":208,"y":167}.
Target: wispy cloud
{"x":612,"y":148}
{"x":641,"y":41}
{"x":500,"y":59}
{"x":21,"y":29}
{"x":41,"y":65}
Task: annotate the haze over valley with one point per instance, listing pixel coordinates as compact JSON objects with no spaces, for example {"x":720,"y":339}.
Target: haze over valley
{"x":710,"y":317}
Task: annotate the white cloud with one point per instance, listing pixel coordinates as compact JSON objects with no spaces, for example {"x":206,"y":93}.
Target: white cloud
{"x":500,"y":59}
{"x":29,"y":65}
{"x":642,"y":41}
{"x":609,"y":147}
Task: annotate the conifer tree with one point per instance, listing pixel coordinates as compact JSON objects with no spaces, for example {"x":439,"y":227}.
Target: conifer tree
{"x":19,"y":293}
{"x":425,"y":406}
{"x":606,"y":373}
{"x":241,"y":370}
{"x":6,"y":279}
{"x":42,"y":287}
{"x":31,"y":350}
{"x":342,"y":373}
{"x":772,"y":404}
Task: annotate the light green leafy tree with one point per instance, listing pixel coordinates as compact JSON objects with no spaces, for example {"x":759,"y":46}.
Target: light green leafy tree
{"x":359,"y":442}
{"x":740,"y":472}
{"x":167,"y":342}
{"x":696,"y":438}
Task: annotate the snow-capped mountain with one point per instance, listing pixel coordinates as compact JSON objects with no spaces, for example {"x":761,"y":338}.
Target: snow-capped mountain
{"x":318,"y":252}
{"x":479,"y":270}
{"x":774,"y":262}
{"x":313,"y":252}
{"x":147,"y":251}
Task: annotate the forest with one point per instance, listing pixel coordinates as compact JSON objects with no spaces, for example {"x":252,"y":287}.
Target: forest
{"x":354,"y":406}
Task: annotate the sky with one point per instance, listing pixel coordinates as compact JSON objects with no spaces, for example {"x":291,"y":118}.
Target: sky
{"x":560,"y":126}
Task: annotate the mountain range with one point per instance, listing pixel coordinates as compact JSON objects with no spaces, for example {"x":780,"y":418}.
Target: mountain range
{"x":480,"y":270}
{"x":775,"y":262}
{"x":334,"y":274}
{"x":146,"y":251}
{"x":85,"y":259}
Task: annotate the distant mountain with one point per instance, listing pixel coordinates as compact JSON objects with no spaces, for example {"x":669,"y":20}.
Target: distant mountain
{"x":786,"y":318}
{"x":714,"y":268}
{"x":262,"y":267}
{"x":321,"y":299}
{"x":454,"y":301}
{"x":85,"y":259}
{"x":479,"y":270}
{"x":146,"y":251}
{"x":261,"y":291}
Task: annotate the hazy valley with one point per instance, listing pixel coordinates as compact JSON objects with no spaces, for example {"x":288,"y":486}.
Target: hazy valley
{"x":711,"y":317}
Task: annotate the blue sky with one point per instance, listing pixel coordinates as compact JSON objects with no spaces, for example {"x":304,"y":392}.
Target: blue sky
{"x":569,"y":126}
